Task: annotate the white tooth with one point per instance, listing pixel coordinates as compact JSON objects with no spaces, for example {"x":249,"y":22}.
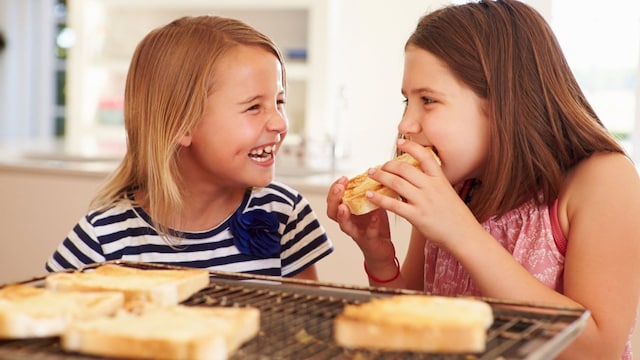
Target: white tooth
{"x":253,"y":152}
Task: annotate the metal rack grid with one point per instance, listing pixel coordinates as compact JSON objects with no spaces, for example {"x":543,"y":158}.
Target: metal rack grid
{"x":297,"y":322}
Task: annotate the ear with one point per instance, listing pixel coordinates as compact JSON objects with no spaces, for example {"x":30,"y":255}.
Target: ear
{"x":186,"y":139}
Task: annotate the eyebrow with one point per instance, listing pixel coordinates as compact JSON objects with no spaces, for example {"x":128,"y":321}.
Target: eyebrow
{"x":427,"y":90}
{"x":250,"y":100}
{"x":256,"y":97}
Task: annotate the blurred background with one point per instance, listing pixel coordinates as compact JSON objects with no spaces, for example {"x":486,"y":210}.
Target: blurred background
{"x":64,"y":63}
{"x":62,"y":75}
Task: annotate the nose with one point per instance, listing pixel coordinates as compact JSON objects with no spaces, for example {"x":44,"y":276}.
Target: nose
{"x":409,"y":124}
{"x":278,"y":121}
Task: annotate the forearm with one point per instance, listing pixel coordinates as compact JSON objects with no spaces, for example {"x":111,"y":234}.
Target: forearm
{"x":498,"y":275}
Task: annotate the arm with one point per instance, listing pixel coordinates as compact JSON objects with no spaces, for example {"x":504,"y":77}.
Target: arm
{"x":413,"y":266}
{"x":599,"y":213}
{"x":310,"y":273}
{"x":598,"y":210}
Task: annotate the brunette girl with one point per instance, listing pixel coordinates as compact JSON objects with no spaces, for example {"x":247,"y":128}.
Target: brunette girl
{"x":534,"y":200}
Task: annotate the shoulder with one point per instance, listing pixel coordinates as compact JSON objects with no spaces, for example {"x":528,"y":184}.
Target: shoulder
{"x":110,"y":215}
{"x":278,"y":192}
{"x":599,"y":183}
{"x":600,"y":172}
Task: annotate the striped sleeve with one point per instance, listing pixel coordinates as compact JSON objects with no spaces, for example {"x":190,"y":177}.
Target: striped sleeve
{"x":304,"y":241}
{"x":81,"y":247}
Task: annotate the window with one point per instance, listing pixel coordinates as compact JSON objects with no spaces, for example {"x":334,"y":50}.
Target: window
{"x":601,"y":41}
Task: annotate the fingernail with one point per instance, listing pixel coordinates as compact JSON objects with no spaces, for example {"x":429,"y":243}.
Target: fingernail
{"x":401,"y":141}
{"x":371,"y":170}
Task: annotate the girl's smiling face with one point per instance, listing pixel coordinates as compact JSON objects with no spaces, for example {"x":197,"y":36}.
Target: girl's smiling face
{"x":443,"y":112}
{"x":244,"y":122}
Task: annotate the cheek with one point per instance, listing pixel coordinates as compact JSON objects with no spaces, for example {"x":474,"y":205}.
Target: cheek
{"x":464,"y":146}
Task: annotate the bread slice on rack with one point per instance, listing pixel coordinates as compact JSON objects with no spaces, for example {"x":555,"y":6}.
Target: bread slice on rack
{"x":419,"y":323}
{"x":159,"y":286}
{"x":28,"y":311}
{"x":168,"y":332}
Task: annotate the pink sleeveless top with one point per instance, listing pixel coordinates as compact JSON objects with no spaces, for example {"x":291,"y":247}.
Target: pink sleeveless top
{"x":531,"y":233}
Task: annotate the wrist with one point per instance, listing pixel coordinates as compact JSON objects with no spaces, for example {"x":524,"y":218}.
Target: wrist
{"x":386,"y":275}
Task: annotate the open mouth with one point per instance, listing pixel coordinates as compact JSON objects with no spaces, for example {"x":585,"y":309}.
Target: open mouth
{"x":263,"y":154}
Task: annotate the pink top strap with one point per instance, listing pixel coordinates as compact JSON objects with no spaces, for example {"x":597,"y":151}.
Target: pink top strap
{"x":556,"y":230}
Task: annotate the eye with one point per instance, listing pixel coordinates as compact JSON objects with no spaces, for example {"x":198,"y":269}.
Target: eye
{"x":254,"y":107}
{"x":426,"y":100}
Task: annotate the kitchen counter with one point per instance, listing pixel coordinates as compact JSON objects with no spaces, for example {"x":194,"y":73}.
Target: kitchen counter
{"x":53,"y":159}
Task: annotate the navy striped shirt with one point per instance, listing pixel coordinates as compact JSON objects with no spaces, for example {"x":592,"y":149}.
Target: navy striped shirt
{"x":126,"y":233}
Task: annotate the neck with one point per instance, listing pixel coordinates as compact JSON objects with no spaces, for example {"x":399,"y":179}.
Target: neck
{"x":203,"y":211}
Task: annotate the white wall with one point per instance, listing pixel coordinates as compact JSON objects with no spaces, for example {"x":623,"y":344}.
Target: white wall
{"x":372,"y":56}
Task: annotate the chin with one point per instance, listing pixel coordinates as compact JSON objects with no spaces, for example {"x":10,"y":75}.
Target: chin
{"x":263,"y":180}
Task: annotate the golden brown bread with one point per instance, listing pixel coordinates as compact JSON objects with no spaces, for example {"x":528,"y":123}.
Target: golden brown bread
{"x":28,"y":311}
{"x":167,"y":332}
{"x":159,"y":286}
{"x":420,"y":323}
{"x":355,"y":194}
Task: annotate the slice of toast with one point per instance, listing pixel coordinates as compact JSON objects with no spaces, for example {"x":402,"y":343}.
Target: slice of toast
{"x":27,"y":311}
{"x":169,"y":332}
{"x":355,"y":192}
{"x":419,"y":323}
{"x":159,"y":286}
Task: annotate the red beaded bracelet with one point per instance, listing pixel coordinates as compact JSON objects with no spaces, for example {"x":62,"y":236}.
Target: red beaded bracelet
{"x":395,"y":259}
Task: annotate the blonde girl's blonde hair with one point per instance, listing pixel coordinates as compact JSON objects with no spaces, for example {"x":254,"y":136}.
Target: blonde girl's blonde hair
{"x":169,"y":80}
{"x":541,"y":124}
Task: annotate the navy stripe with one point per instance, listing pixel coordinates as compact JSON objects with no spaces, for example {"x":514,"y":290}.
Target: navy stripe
{"x":85,"y":239}
{"x":126,"y":233}
{"x":266,"y":200}
{"x":130,"y":214}
{"x":308,"y":248}
{"x":164,"y":249}
{"x":300,"y":216}
{"x":285,"y":192}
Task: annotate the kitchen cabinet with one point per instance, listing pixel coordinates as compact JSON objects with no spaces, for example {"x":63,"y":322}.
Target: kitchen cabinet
{"x":107,"y":32}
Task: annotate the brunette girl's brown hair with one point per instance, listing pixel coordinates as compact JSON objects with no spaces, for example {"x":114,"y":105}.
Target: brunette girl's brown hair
{"x":541,"y":124}
{"x":170,"y":77}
